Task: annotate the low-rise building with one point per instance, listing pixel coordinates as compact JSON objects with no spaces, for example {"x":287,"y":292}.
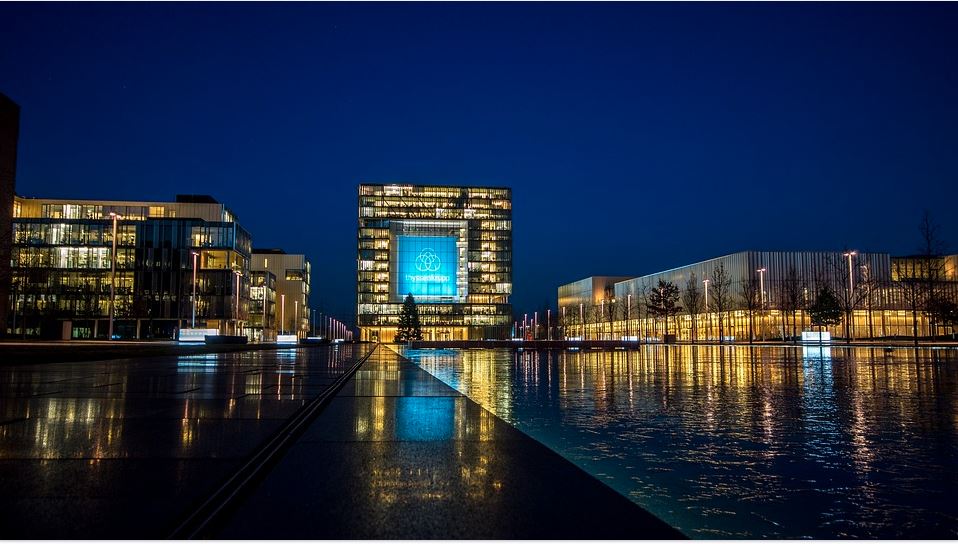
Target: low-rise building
{"x":766,"y":295}
{"x":291,"y":273}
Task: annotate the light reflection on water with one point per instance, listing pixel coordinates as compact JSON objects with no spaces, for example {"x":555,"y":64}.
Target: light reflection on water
{"x":739,"y":441}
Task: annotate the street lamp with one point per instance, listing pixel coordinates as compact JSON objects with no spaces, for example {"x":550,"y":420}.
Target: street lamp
{"x":282,"y":319}
{"x":708,"y":316}
{"x":582,"y":320}
{"x":628,"y":315}
{"x":193,"y":299}
{"x":237,"y":302}
{"x":115,"y":217}
{"x":565,"y":324}
{"x":851,"y":283}
{"x":761,"y":287}
{"x":549,"y":324}
{"x":296,"y":317}
{"x":611,"y":319}
{"x":601,"y":318}
{"x":851,"y":290}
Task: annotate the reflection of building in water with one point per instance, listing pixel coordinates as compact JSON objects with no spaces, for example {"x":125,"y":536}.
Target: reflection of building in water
{"x":475,"y":374}
{"x":876,"y":290}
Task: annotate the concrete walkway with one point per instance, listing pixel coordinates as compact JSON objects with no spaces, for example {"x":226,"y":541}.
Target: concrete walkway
{"x":399,"y":454}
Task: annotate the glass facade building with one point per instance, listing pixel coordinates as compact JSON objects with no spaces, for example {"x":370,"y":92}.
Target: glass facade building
{"x":448,"y":247}
{"x":62,"y":256}
{"x":291,"y":277}
{"x":881,"y":297}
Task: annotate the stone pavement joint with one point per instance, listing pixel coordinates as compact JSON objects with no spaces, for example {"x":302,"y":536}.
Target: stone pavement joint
{"x":399,"y":454}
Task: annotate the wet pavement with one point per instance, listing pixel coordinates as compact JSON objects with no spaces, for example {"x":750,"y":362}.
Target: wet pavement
{"x":127,"y":448}
{"x":398,"y":454}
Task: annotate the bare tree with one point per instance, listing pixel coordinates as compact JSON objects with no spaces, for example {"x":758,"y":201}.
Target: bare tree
{"x":919,"y":278}
{"x":611,"y":309}
{"x":721,"y":295}
{"x":692,"y":299}
{"x":644,"y":308}
{"x":932,"y":252}
{"x":595,"y":314}
{"x":846,"y":290}
{"x":869,"y":291}
{"x":792,"y":297}
{"x":750,"y":296}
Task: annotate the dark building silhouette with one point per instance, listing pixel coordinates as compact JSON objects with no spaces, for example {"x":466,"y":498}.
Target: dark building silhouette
{"x":9,"y":134}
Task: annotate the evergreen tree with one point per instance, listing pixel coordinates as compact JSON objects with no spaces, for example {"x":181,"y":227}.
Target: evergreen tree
{"x":663,"y":302}
{"x":826,"y":310}
{"x":409,"y":325}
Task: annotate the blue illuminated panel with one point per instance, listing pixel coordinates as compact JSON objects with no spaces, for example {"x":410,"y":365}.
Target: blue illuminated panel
{"x":427,"y":266}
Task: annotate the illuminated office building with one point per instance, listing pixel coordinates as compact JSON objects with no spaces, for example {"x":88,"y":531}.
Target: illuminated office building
{"x":448,"y":247}
{"x":291,"y":274}
{"x":262,"y":322}
{"x":875,"y":290}
{"x":9,"y":134}
{"x":62,"y":258}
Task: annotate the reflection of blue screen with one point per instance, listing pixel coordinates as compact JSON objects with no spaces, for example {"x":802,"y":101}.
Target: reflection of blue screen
{"x":427,"y":266}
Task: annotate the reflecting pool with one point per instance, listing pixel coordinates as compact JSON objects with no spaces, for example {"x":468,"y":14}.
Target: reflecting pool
{"x":739,"y":442}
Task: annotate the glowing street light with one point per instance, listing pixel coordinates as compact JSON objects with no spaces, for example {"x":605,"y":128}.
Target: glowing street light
{"x":115,"y":217}
{"x":761,"y":287}
{"x":708,"y":316}
{"x":193,"y":322}
{"x":851,"y":282}
{"x":237,"y":302}
{"x":549,"y":324}
{"x":282,"y":319}
{"x":582,"y":319}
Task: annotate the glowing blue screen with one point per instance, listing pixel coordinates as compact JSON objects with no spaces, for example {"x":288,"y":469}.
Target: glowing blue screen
{"x":427,"y":266}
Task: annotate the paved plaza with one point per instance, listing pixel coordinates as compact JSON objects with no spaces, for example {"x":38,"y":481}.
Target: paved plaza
{"x":126,"y":448}
{"x":131,"y":448}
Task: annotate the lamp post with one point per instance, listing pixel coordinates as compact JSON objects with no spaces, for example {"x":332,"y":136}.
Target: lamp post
{"x":582,"y":320}
{"x":601,"y":318}
{"x":549,"y":324}
{"x":236,"y":302}
{"x":628,"y":316}
{"x":565,"y":324}
{"x":535,"y":325}
{"x":851,"y":282}
{"x":761,"y":287}
{"x":193,"y":298}
{"x":115,"y":217}
{"x":708,"y":316}
{"x":296,"y":317}
{"x":282,"y":319}
{"x":611,"y":319}
{"x":851,"y":290}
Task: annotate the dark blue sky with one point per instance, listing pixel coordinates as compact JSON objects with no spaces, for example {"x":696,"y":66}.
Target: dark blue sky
{"x":636,"y":137}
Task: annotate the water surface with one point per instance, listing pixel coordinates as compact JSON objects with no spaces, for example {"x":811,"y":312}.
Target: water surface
{"x":733,"y":442}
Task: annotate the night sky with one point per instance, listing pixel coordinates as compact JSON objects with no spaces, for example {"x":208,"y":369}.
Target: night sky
{"x":636,"y":137}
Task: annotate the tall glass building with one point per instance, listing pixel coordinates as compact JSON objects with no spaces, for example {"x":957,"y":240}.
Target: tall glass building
{"x":448,"y":247}
{"x":62,"y":259}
